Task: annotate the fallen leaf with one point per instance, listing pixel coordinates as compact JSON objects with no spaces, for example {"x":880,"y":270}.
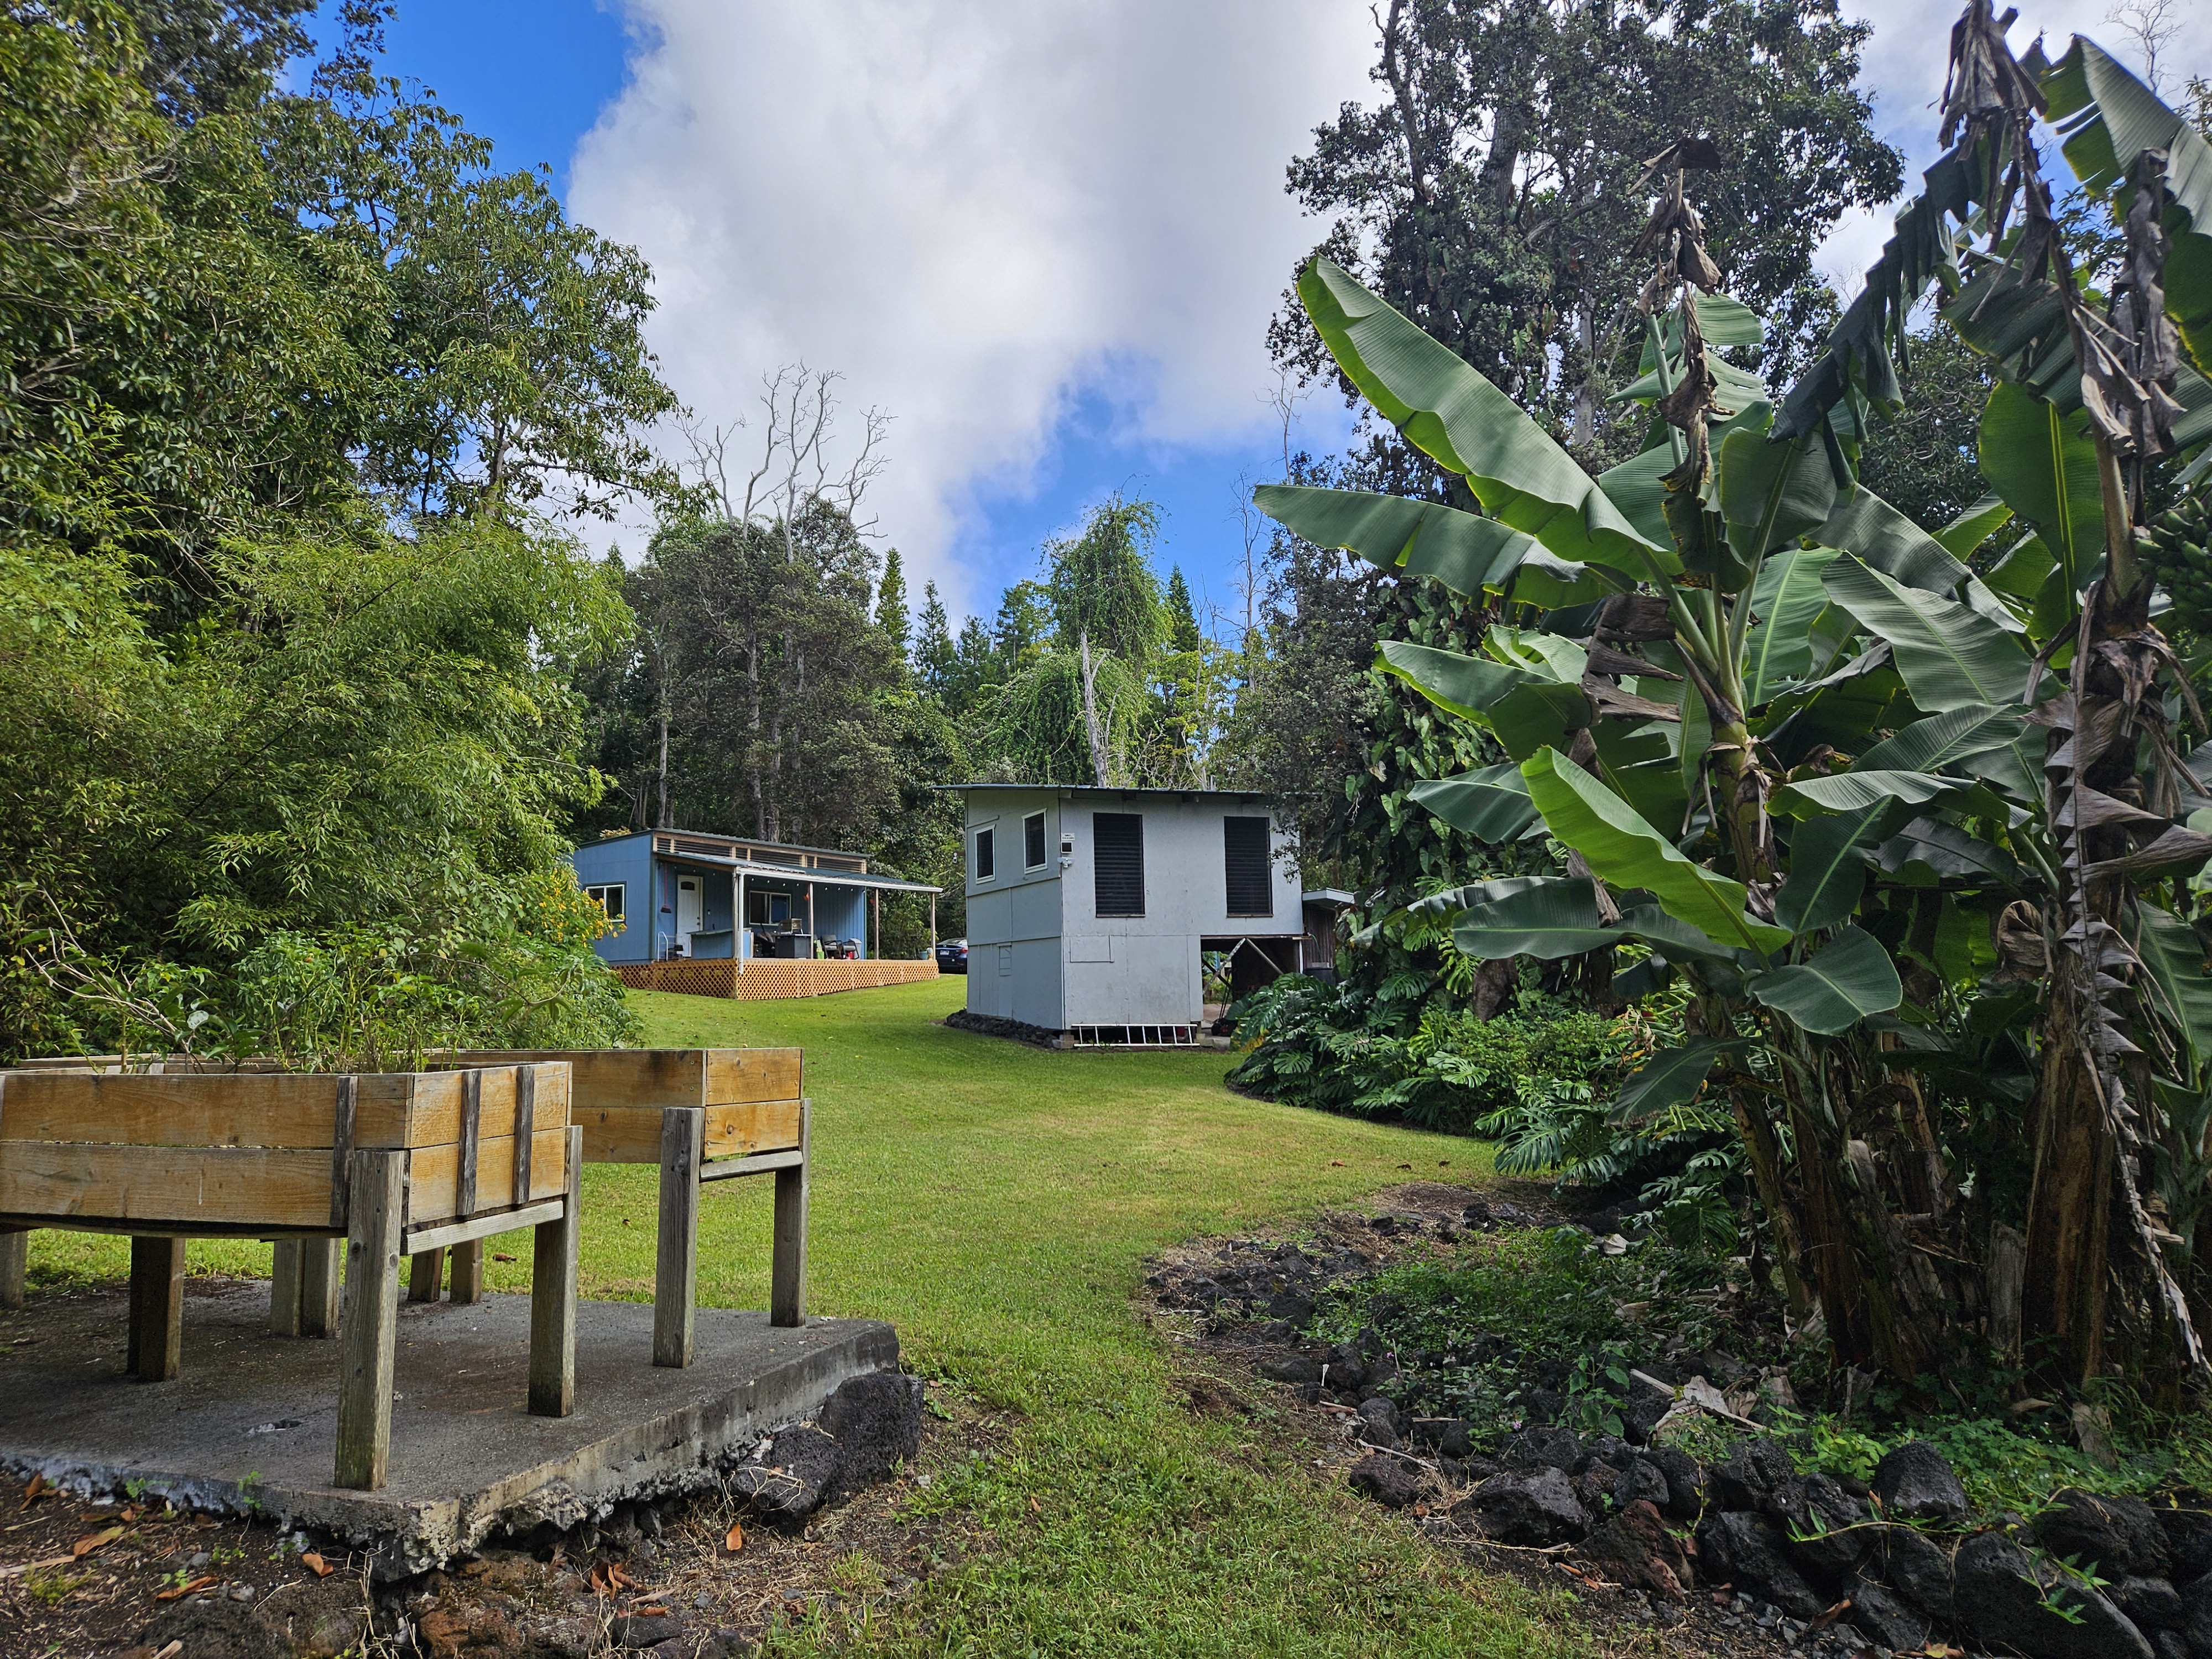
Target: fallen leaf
{"x":736,"y":1540}
{"x":1036,"y":1508}
{"x":131,"y":1514}
{"x":1832,"y":1614}
{"x":22,"y":1567}
{"x":597,"y":1578}
{"x":501,"y":1255}
{"x":35,"y":1491}
{"x":1336,"y":1163}
{"x":315,"y":1564}
{"x":649,"y":1613}
{"x":616,"y":1575}
{"x":189,"y":1588}
{"x":93,"y":1540}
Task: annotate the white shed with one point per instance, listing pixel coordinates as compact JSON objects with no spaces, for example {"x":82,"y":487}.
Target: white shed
{"x":1088,"y":908}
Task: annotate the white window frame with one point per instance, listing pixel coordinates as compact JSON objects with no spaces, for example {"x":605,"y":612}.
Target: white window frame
{"x":598,"y":891}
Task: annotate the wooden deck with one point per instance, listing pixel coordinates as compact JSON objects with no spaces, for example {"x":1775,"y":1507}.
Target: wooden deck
{"x":759,"y":980}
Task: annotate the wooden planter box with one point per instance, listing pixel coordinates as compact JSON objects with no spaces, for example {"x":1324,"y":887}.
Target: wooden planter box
{"x":395,"y":1163}
{"x":702,"y":1115}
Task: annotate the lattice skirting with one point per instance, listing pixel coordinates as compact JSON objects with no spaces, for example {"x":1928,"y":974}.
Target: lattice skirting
{"x":764,"y":981}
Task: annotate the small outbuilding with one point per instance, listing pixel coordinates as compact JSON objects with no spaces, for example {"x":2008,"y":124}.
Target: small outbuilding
{"x":1098,"y":913}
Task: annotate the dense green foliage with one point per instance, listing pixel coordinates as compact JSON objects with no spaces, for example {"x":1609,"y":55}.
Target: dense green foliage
{"x":290,"y":664}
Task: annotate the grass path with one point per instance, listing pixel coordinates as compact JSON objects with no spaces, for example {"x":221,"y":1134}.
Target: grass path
{"x":996,"y":1202}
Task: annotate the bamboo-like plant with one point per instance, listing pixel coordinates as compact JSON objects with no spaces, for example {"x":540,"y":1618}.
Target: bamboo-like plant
{"x":1881,"y":811}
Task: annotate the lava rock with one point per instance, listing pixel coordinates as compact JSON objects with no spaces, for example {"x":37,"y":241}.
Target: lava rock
{"x":1377,"y":1424}
{"x":1528,"y":1506}
{"x":1544,"y":1405}
{"x":1999,"y":1590}
{"x":1640,"y":1413}
{"x":320,"y":1618}
{"x":1637,"y":1549}
{"x":1917,"y":1567}
{"x":218,"y":1630}
{"x":1390,"y":1481}
{"x":1888,"y":1618}
{"x":791,"y":1480}
{"x":876,"y":1421}
{"x":2120,"y":1535}
{"x":1915,"y":1483}
{"x":1739,"y":1547}
{"x":1345,"y":1370}
{"x":1445,"y":1436}
{"x":632,"y":1631}
{"x":1593,"y":1488}
{"x":1642,"y":1482}
{"x":2188,"y":1542}
{"x":1823,"y":1522}
{"x":1686,"y":1482}
{"x":2196,"y":1607}
{"x":2172,"y":1644}
{"x":1542,"y":1448}
{"x":1297,"y":1369}
{"x":2151,"y":1603}
{"x":1292,"y":1306}
{"x":1750,"y":1477}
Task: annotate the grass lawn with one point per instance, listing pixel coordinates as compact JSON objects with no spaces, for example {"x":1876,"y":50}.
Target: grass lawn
{"x":996,"y":1202}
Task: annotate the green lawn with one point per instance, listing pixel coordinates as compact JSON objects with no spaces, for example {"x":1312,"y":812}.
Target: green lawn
{"x":996,"y":1203}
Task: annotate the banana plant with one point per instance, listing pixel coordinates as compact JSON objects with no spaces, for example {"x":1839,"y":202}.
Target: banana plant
{"x":1793,"y":747}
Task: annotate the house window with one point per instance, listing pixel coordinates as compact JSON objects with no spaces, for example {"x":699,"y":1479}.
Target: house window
{"x":984,"y":870}
{"x":1244,"y":852}
{"x":1033,"y":842}
{"x":1117,"y":854}
{"x":609,"y":898}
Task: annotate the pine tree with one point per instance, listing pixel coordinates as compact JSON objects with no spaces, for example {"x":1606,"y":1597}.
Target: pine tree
{"x":1183,"y":620}
{"x":976,"y":664}
{"x":890,"y":604}
{"x":932,"y":646}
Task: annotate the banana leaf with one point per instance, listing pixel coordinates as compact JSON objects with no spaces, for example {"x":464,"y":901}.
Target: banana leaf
{"x":1850,"y":978}
{"x":1950,"y":655}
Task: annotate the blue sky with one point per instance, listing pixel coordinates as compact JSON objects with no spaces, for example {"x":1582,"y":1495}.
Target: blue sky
{"x":1046,"y":240}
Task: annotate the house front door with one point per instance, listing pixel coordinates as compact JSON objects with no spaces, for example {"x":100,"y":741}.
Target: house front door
{"x":687,"y":911}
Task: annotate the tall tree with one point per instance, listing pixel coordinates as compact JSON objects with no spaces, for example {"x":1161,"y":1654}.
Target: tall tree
{"x":932,"y":648}
{"x":890,"y":604}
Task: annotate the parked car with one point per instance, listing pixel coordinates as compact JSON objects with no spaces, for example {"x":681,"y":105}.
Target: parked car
{"x":951,"y":956}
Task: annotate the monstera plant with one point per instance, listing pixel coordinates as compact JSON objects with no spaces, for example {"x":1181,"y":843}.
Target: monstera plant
{"x":1912,"y":835}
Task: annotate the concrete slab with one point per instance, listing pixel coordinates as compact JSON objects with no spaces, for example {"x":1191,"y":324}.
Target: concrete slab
{"x":252,"y":1421}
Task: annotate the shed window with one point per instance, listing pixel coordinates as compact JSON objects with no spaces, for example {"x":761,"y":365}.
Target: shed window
{"x":609,"y":898}
{"x":1033,"y":842}
{"x":984,"y":868}
{"x":1117,"y":850}
{"x":1245,"y":851}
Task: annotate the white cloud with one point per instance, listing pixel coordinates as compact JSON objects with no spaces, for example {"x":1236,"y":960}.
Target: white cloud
{"x":971,"y":209}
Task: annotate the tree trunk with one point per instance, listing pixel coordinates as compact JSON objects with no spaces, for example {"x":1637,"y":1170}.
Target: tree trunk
{"x":1101,"y":761}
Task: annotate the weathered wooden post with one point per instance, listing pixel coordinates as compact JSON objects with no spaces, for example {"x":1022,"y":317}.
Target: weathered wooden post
{"x":15,"y":1257}
{"x":676,"y":1266}
{"x":553,"y":1297}
{"x":370,"y":1322}
{"x":787,"y":1300}
{"x":157,"y":1309}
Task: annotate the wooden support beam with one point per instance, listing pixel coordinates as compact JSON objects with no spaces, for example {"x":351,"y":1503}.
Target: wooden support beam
{"x":15,"y":1257}
{"x":553,"y":1298}
{"x":444,"y":1236}
{"x":466,"y":1283}
{"x":284,"y":1288}
{"x":676,"y":1260}
{"x":424,"y":1270}
{"x":318,"y":1287}
{"x":788,"y":1281}
{"x":369,"y":1324}
{"x":157,"y":1309}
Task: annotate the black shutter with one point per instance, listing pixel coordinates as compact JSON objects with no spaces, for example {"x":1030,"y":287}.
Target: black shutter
{"x":1117,"y":847}
{"x":1033,"y":842}
{"x":1244,"y":850}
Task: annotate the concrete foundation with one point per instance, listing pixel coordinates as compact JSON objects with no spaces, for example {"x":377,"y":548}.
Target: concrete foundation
{"x":251,"y":1423}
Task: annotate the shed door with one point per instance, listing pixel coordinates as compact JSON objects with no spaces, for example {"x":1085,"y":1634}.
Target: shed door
{"x":687,"y":906}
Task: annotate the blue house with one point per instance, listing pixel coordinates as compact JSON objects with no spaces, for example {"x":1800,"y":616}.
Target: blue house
{"x":679,"y":893}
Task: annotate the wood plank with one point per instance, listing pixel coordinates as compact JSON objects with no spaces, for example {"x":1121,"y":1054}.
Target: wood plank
{"x":426,"y":1268}
{"x":738,"y":1076}
{"x":654,"y":1078}
{"x":676,"y":1257}
{"x":465,"y":1286}
{"x":186,"y":1186}
{"x":444,"y":1235}
{"x":284,"y":1288}
{"x":553,"y":1296}
{"x":439,"y":1106}
{"x":471,"y":1136}
{"x":369,"y":1323}
{"x":632,"y":1135}
{"x":157,"y":1309}
{"x":15,"y":1257}
{"x":786,"y":1297}
{"x":434,"y":1176}
{"x":277,"y":1110}
{"x":759,"y":1164}
{"x":318,"y":1287}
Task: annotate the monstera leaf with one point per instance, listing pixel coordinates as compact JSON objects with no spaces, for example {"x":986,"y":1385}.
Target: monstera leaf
{"x":1450,"y":413}
{"x":1849,"y":979}
{"x":1620,"y":847}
